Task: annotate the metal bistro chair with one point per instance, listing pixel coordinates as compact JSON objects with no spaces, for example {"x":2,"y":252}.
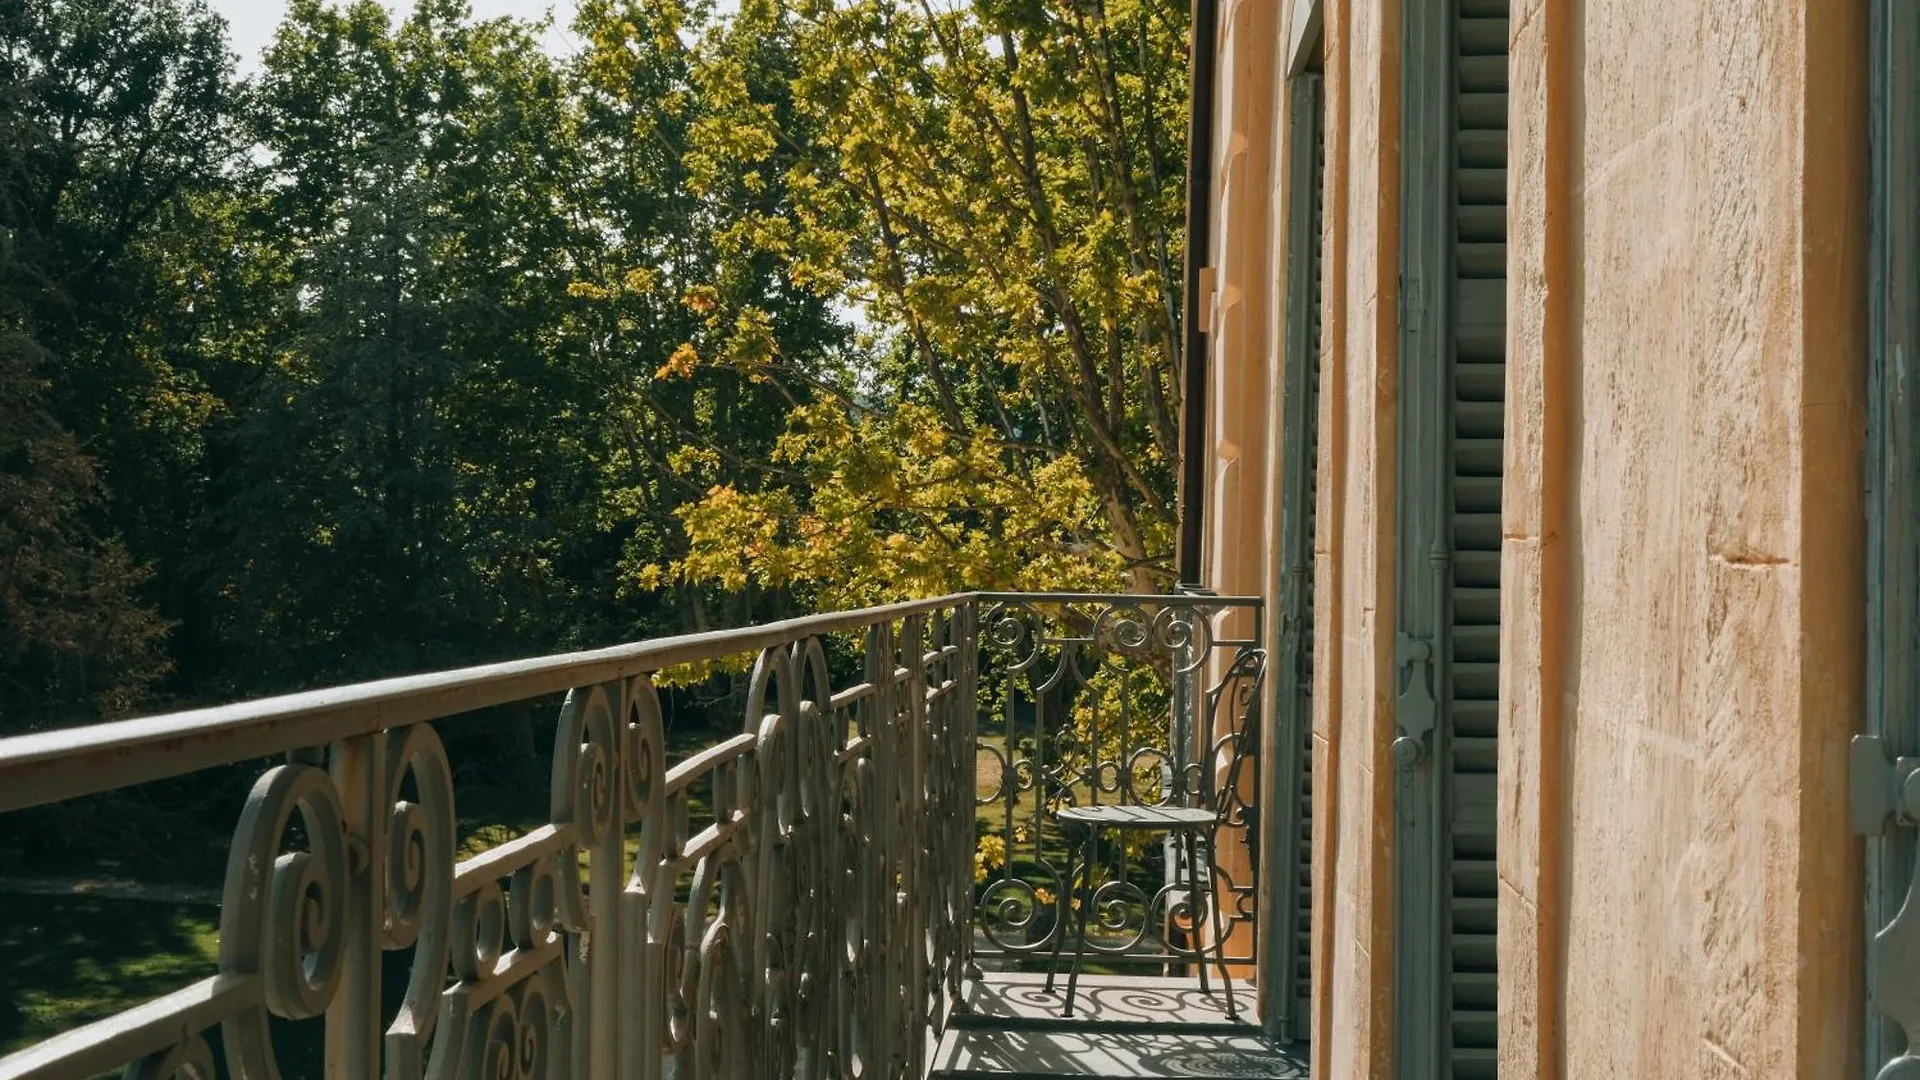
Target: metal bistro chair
{"x":1191,"y":816}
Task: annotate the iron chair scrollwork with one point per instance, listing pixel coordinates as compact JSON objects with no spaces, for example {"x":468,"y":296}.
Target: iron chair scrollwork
{"x":1202,"y":802}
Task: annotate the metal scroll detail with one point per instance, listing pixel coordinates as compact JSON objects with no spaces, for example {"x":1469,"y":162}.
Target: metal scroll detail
{"x":791,"y":902}
{"x":1107,"y":699}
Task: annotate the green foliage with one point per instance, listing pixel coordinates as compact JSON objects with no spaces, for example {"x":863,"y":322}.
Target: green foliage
{"x":423,"y":347}
{"x":112,"y":134}
{"x":76,"y":959}
{"x":75,"y":643}
{"x":994,"y":189}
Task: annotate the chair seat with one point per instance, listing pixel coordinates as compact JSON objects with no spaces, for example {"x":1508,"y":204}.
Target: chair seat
{"x":1162,"y":818}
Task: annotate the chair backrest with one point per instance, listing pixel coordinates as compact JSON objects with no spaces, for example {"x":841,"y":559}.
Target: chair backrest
{"x":1232,"y":724}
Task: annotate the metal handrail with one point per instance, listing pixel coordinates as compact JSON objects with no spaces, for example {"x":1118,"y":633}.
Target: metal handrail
{"x":815,"y":911}
{"x":54,"y":766}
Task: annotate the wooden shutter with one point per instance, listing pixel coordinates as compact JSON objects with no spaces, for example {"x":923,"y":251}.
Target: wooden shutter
{"x":1893,"y":484}
{"x":1452,"y":419}
{"x":1300,"y":451}
{"x":1479,"y":391}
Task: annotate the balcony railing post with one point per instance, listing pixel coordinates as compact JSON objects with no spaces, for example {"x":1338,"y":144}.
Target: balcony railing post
{"x":647,"y":901}
{"x":353,"y":1018}
{"x":969,"y":751}
{"x":874,"y":1009}
{"x":913,"y":852}
{"x":587,"y":797}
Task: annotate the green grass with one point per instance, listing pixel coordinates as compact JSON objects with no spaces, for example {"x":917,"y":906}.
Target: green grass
{"x":71,"y":960}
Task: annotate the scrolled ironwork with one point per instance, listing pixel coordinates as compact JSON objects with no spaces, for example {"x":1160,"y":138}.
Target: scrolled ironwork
{"x":1013,"y":627}
{"x":1186,"y":633}
{"x":282,"y":914}
{"x":1120,"y":909}
{"x":798,"y":900}
{"x":1109,"y":699}
{"x":1124,"y":627}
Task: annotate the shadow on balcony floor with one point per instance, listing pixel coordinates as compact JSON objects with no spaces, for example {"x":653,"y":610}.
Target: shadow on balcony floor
{"x":1123,"y":1028}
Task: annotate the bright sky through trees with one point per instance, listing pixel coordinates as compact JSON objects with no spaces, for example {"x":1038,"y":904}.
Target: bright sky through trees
{"x":250,"y":23}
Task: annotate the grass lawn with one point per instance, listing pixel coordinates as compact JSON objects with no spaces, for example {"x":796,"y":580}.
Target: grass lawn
{"x":74,"y":959}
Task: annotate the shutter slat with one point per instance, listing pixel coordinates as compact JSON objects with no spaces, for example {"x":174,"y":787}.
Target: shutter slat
{"x":1479,"y":427}
{"x":1474,"y":187}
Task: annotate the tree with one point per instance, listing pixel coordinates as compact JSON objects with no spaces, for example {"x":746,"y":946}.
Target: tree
{"x":706,"y":343}
{"x":411,"y":480}
{"x":113,"y":140}
{"x":76,"y":643}
{"x":994,"y":189}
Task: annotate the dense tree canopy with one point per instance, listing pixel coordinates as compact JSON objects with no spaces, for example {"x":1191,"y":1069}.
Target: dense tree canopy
{"x":419,"y":346}
{"x":996,"y":188}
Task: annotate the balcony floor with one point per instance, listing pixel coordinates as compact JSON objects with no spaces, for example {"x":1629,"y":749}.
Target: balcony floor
{"x":1123,"y":1027}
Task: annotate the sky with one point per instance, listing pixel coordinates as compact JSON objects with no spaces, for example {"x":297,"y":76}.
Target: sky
{"x":251,"y":22}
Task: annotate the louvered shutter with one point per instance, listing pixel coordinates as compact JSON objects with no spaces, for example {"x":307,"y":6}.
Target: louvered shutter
{"x":1452,"y":418}
{"x":1478,"y":393}
{"x":1300,"y":450}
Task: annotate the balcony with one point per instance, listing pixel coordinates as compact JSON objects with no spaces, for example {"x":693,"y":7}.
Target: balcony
{"x":865,"y":881}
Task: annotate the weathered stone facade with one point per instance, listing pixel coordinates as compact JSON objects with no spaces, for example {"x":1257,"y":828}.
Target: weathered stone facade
{"x":1683,"y":598}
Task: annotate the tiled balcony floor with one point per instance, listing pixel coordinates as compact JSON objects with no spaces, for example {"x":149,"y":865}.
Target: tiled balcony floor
{"x":1123,"y":1027}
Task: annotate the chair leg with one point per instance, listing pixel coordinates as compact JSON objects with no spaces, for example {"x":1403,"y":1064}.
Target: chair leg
{"x":1219,"y":937}
{"x":1193,"y":908}
{"x":1060,"y":923}
{"x":1080,"y":922}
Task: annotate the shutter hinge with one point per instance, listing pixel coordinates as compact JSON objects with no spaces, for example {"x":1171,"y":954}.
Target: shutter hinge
{"x":1410,"y":303}
{"x":1292,"y":650}
{"x":1416,"y":710}
{"x":1882,"y":790}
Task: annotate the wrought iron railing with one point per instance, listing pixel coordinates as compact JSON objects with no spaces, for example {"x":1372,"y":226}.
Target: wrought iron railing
{"x":1104,"y":699}
{"x":790,"y":901}
{"x":795,"y":900}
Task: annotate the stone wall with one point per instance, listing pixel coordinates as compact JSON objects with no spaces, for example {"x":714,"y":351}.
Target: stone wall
{"x":1684,"y":600}
{"x":1353,"y":684}
{"x":1683,"y":620}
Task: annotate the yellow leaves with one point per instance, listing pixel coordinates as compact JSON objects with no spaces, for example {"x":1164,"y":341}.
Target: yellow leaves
{"x":680,"y":365}
{"x":688,"y":460}
{"x":890,"y":196}
{"x":751,"y":344}
{"x":699,"y":671}
{"x":633,"y":282}
{"x":990,"y":855}
{"x":894,"y":505}
{"x":1046,"y":898}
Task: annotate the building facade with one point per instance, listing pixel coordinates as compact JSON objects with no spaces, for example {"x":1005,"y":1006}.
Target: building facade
{"x":1557,"y":405}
